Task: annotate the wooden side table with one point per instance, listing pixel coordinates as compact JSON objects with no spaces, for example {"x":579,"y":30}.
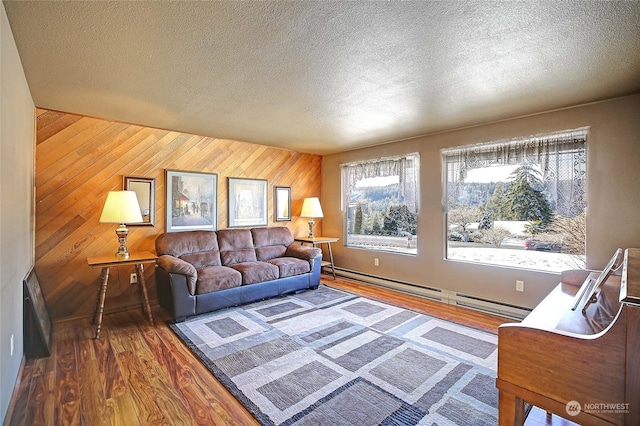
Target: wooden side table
{"x":315,"y":241}
{"x":107,"y":261}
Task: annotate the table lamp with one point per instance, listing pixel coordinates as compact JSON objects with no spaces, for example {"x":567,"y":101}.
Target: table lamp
{"x":121,"y":207}
{"x":311,"y":208}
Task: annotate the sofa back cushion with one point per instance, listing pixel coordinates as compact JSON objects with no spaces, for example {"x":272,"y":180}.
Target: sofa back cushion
{"x":236,"y":246}
{"x":272,"y":242}
{"x":200,"y":248}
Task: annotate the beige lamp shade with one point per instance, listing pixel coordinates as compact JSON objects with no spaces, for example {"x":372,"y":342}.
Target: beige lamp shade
{"x":121,"y":207}
{"x":311,"y":208}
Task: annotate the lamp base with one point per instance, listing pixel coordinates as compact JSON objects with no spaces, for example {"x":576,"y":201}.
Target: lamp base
{"x":122,"y":232}
{"x":312,"y":223}
{"x":121,"y":254}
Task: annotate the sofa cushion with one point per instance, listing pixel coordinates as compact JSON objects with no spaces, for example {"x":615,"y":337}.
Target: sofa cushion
{"x":271,"y":242}
{"x":290,"y":266}
{"x":270,"y":252}
{"x":256,"y":272}
{"x":214,"y":278}
{"x":236,"y":246}
{"x":200,"y":248}
{"x":202,"y":260}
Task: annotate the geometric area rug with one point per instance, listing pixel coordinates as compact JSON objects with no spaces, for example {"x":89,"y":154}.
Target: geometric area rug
{"x":328,"y":357}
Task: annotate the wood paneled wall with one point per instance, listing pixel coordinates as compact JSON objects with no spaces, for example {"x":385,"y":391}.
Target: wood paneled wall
{"x":79,"y":159}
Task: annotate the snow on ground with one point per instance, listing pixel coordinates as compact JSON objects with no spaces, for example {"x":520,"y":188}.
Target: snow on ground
{"x":538,"y":260}
{"x":511,"y":253}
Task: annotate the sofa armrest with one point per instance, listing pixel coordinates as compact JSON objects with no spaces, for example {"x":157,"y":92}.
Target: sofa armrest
{"x":174,"y":265}
{"x":173,"y":294}
{"x":303,"y":252}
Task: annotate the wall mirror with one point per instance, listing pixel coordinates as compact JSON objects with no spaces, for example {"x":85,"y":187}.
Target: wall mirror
{"x":282,"y":203}
{"x":145,"y":189}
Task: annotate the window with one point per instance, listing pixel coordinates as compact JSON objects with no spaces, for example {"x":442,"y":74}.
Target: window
{"x":519,"y":202}
{"x":380,"y":203}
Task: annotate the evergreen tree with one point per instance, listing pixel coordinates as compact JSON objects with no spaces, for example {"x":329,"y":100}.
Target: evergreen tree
{"x":400,"y":219}
{"x":376,"y":227}
{"x":496,"y":206}
{"x":389,"y":227}
{"x":525,"y":199}
{"x":357,"y":220}
{"x":534,"y":227}
{"x":371,"y":223}
{"x":486,"y":222}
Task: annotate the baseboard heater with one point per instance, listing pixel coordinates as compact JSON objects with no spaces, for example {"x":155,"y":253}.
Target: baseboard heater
{"x":489,"y":306}
{"x":439,"y":294}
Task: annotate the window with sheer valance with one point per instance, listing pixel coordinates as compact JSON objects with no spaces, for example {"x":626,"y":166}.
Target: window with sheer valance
{"x":538,"y":203}
{"x":380,"y":202}
{"x":562,"y":157}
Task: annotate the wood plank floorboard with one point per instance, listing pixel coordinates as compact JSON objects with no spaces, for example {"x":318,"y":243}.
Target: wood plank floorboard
{"x":142,"y":374}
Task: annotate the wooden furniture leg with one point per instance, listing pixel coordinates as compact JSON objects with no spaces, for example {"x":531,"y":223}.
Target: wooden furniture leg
{"x":97,"y":318}
{"x":510,"y":409}
{"x":104,"y":262}
{"x":143,"y":284}
{"x":331,"y":259}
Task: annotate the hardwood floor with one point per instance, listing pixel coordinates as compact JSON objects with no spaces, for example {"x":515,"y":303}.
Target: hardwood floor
{"x":139,"y":374}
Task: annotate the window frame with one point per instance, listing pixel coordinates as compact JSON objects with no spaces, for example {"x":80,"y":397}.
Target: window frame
{"x":407,"y":168}
{"x":550,"y":152}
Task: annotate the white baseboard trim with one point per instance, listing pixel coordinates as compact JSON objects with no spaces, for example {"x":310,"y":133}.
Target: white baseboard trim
{"x":439,"y":294}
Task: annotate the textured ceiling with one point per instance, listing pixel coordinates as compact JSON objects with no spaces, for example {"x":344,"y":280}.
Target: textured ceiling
{"x":320,"y":76}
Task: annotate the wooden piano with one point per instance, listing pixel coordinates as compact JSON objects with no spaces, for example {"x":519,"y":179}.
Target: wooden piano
{"x":583,"y":366}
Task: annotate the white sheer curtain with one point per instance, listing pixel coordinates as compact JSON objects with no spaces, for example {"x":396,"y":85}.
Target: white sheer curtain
{"x":562,"y":157}
{"x":406,"y":167}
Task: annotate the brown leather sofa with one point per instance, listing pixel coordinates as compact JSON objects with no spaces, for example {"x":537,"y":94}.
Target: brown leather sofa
{"x":201,"y":271}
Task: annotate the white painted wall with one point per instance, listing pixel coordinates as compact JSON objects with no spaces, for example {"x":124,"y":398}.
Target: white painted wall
{"x":17,"y":231}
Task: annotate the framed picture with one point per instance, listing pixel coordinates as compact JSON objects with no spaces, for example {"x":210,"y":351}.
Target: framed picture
{"x":145,"y":189}
{"x":37,"y":323}
{"x":191,"y":201}
{"x":247,"y":202}
{"x":282,"y":203}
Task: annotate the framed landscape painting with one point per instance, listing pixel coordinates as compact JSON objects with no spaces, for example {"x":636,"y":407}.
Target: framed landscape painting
{"x":191,"y":202}
{"x":247,"y":202}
